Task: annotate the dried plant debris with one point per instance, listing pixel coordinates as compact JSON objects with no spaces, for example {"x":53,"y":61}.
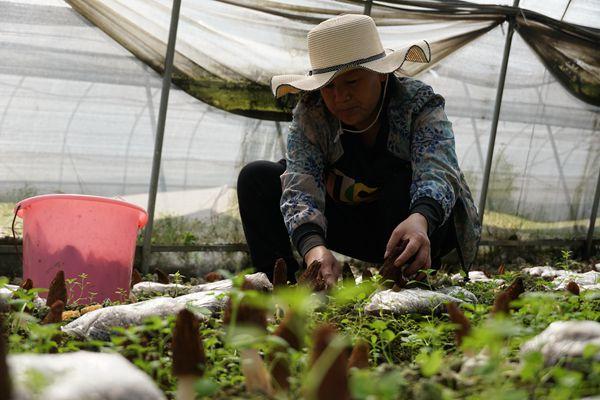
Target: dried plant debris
{"x":311,"y":277}
{"x":573,"y":288}
{"x":501,"y":269}
{"x":213,"y":277}
{"x":458,"y":317}
{"x":359,"y":358}
{"x":72,"y":314}
{"x":135,"y":277}
{"x":90,"y":308}
{"x":58,"y":289}
{"x":188,"y":351}
{"x":280,"y":273}
{"x":334,"y":382}
{"x":55,"y":314}
{"x":161,"y":276}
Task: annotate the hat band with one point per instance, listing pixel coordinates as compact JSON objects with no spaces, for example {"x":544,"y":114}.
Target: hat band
{"x":346,"y":65}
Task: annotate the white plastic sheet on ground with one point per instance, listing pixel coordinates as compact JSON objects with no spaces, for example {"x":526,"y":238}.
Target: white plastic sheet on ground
{"x":98,"y":324}
{"x":476,"y":276}
{"x":565,"y":339}
{"x":560,"y":278}
{"x":79,"y":375}
{"x":416,"y":301}
{"x":7,"y":292}
{"x":259,"y":280}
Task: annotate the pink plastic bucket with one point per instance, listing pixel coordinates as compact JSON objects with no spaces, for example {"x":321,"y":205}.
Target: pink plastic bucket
{"x":92,"y":239}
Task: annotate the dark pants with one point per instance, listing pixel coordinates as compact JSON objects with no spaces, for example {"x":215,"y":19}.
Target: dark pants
{"x":359,"y":231}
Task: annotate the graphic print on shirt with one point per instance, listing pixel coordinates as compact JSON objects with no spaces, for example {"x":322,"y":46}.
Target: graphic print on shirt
{"x":344,"y":189}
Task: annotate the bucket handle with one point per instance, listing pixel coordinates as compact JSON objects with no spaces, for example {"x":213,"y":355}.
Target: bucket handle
{"x":15,"y":234}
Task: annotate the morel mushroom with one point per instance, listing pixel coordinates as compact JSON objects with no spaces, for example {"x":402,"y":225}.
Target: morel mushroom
{"x":188,"y":354}
{"x":334,"y":383}
{"x":280,"y":273}
{"x":458,"y":317}
{"x":58,"y":289}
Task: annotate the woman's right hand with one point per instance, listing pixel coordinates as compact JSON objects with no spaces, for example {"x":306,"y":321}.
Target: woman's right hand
{"x":330,"y":267}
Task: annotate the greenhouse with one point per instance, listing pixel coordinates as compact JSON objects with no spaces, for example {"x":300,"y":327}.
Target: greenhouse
{"x":158,"y":105}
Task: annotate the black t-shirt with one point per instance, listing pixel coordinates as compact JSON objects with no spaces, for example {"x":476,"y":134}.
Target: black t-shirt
{"x":359,"y":176}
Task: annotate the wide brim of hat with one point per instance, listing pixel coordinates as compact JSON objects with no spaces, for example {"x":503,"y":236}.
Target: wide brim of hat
{"x":393,"y":61}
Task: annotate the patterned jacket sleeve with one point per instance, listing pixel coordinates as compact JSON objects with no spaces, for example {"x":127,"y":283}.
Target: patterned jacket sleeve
{"x":303,"y":189}
{"x":435,"y":166}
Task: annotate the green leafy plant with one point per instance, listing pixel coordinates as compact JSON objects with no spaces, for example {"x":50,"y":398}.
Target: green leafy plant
{"x":411,"y":356}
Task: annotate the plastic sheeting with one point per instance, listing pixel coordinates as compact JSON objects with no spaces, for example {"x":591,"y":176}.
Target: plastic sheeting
{"x":416,"y":301}
{"x":564,"y":340}
{"x":99,"y":323}
{"x":560,"y":278}
{"x":227,"y":52}
{"x":78,"y":112}
{"x":79,"y":375}
{"x":229,"y":49}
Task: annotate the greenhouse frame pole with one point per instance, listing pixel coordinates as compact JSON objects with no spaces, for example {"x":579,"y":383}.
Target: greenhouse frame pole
{"x":496,"y":117}
{"x":368,"y":5}
{"x":160,"y":132}
{"x":590,"y":235}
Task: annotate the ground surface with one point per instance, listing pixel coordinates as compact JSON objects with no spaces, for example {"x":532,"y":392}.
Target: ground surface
{"x":411,"y":356}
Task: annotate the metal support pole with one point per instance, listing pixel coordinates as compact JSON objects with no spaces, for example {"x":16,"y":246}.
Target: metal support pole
{"x":590,"y":235}
{"x":160,"y":131}
{"x":368,"y":5}
{"x":497,"y":105}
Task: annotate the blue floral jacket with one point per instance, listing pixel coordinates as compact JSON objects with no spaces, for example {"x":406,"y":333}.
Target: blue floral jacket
{"x":419,"y":133}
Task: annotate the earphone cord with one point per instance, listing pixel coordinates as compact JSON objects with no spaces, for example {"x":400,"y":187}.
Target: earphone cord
{"x":378,"y":112}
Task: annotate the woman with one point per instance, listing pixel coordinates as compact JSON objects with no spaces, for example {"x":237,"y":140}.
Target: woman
{"x":370,"y":164}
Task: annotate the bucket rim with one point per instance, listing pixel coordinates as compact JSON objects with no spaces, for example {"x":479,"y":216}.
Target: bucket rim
{"x":28,"y":202}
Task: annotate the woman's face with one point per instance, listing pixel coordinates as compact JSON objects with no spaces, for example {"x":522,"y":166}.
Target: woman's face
{"x":352,"y":97}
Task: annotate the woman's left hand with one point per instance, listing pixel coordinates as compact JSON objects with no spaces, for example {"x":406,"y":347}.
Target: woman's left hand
{"x":413,"y":232}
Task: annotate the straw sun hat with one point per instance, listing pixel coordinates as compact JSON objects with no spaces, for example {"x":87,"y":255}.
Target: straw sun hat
{"x":342,"y":43}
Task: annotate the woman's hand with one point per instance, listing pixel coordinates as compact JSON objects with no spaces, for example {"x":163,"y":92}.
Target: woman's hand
{"x":330,"y":267}
{"x":413,"y":232}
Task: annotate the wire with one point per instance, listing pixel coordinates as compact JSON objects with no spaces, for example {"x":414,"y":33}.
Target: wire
{"x":387,"y":77}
